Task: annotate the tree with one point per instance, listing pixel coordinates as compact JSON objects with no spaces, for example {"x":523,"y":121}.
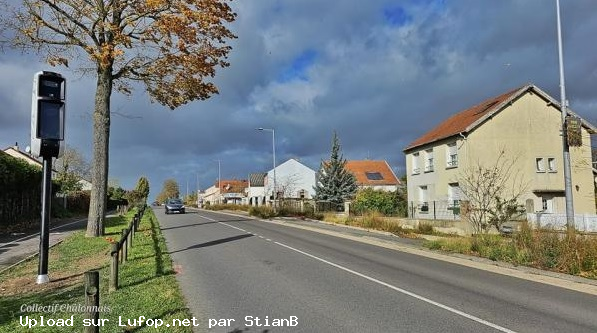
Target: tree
{"x":71,"y":167}
{"x":492,"y":193}
{"x":170,"y":189}
{"x":142,"y":188}
{"x":333,"y":182}
{"x":138,"y":196}
{"x":173,"y":47}
{"x":72,"y":161}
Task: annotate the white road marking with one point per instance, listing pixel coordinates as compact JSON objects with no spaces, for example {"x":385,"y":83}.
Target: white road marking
{"x":224,"y":223}
{"x":37,"y":234}
{"x":400,"y":290}
{"x":403,"y":291}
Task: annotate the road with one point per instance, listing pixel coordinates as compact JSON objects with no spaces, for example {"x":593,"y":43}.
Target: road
{"x":233,"y":269}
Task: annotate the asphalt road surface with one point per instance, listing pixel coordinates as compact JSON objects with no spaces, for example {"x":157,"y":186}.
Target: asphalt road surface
{"x":243,"y":275}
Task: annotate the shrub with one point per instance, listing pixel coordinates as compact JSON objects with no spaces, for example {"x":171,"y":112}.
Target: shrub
{"x":369,"y":200}
{"x":264,"y":212}
{"x":425,"y":229}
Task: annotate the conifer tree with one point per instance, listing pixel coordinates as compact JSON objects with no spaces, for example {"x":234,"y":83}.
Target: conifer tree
{"x":334,"y":183}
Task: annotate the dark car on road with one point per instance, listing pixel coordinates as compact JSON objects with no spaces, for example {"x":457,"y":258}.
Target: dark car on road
{"x":174,"y":205}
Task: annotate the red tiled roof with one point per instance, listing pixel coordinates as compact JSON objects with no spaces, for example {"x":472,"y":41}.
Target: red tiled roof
{"x":361,"y":168}
{"x":232,"y":185}
{"x":461,"y":121}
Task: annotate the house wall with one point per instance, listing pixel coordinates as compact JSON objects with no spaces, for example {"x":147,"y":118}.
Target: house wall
{"x":436,"y":181}
{"x":212,"y":195}
{"x":386,"y":188}
{"x":527,"y":130}
{"x":291,"y":177}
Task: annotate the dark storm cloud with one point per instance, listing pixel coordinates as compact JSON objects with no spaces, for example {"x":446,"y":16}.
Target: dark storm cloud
{"x":380,"y":73}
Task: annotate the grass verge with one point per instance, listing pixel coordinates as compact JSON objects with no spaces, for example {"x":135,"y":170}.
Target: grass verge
{"x":569,"y":253}
{"x":372,"y":221}
{"x":147,"y":283}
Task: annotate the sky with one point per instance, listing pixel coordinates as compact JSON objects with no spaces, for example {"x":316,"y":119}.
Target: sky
{"x":378,"y":72}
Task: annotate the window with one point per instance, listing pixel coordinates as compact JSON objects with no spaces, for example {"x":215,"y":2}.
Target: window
{"x":539,"y":165}
{"x":429,"y":160}
{"x":547,"y":203}
{"x":451,"y":155}
{"x":453,"y":194}
{"x":423,"y":204}
{"x":415,"y":164}
{"x":374,"y":175}
{"x":551,"y":164}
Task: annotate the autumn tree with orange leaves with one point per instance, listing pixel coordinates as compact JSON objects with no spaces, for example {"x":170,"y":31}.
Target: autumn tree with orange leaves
{"x":172,"y":46}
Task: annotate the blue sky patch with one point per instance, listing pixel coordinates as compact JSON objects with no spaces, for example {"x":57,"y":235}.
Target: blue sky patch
{"x":396,"y":16}
{"x":299,"y":66}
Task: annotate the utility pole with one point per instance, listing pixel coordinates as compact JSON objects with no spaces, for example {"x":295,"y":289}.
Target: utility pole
{"x":566,"y":148}
{"x":274,"y":192}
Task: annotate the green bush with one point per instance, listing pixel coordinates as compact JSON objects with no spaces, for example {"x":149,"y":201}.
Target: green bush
{"x":20,"y":193}
{"x":369,"y":200}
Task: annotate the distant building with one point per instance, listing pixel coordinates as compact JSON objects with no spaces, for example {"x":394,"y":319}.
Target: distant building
{"x":373,"y":174}
{"x":231,"y":191}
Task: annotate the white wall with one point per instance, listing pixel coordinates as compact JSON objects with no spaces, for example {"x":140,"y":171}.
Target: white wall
{"x":291,"y":177}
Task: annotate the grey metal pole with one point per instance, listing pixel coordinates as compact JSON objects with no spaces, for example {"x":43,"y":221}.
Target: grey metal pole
{"x":274,"y":150}
{"x":566,"y":148}
{"x":44,"y":236}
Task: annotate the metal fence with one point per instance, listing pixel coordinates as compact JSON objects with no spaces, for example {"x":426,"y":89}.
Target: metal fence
{"x":434,"y":210}
{"x":582,"y":222}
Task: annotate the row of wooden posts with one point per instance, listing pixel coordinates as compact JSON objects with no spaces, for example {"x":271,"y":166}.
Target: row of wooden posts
{"x":119,"y":255}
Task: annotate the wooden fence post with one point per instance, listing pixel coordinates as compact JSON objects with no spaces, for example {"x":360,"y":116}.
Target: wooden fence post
{"x":114,"y":268}
{"x":131,"y":235}
{"x":125,"y":252}
{"x":92,"y":300}
{"x":136,"y":222}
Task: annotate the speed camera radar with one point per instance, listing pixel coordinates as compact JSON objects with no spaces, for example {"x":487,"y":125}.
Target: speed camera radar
{"x":47,"y":114}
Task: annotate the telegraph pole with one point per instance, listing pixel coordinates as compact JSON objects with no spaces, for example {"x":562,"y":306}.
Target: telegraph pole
{"x":566,"y":148}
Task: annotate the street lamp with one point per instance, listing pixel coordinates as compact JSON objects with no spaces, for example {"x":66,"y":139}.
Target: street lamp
{"x":219,"y":180}
{"x":566,"y":148}
{"x":274,"y":194}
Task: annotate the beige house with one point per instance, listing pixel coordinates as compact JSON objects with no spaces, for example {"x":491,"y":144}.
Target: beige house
{"x":525,"y":124}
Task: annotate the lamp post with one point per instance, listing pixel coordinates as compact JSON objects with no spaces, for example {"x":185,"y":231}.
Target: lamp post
{"x":274,"y":194}
{"x":566,"y":148}
{"x":219,"y":181}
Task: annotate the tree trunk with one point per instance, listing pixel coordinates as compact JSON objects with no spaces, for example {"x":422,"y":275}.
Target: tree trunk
{"x":101,"y":140}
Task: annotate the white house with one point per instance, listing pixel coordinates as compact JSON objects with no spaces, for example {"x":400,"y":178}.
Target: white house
{"x":256,"y":190}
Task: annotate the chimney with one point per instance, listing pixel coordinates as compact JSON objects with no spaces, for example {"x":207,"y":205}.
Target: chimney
{"x":16,"y":147}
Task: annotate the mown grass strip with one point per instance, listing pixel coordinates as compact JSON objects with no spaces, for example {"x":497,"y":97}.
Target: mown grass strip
{"x":147,"y":284}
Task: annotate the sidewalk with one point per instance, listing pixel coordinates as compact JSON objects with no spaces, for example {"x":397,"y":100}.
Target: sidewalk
{"x":19,"y":246}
